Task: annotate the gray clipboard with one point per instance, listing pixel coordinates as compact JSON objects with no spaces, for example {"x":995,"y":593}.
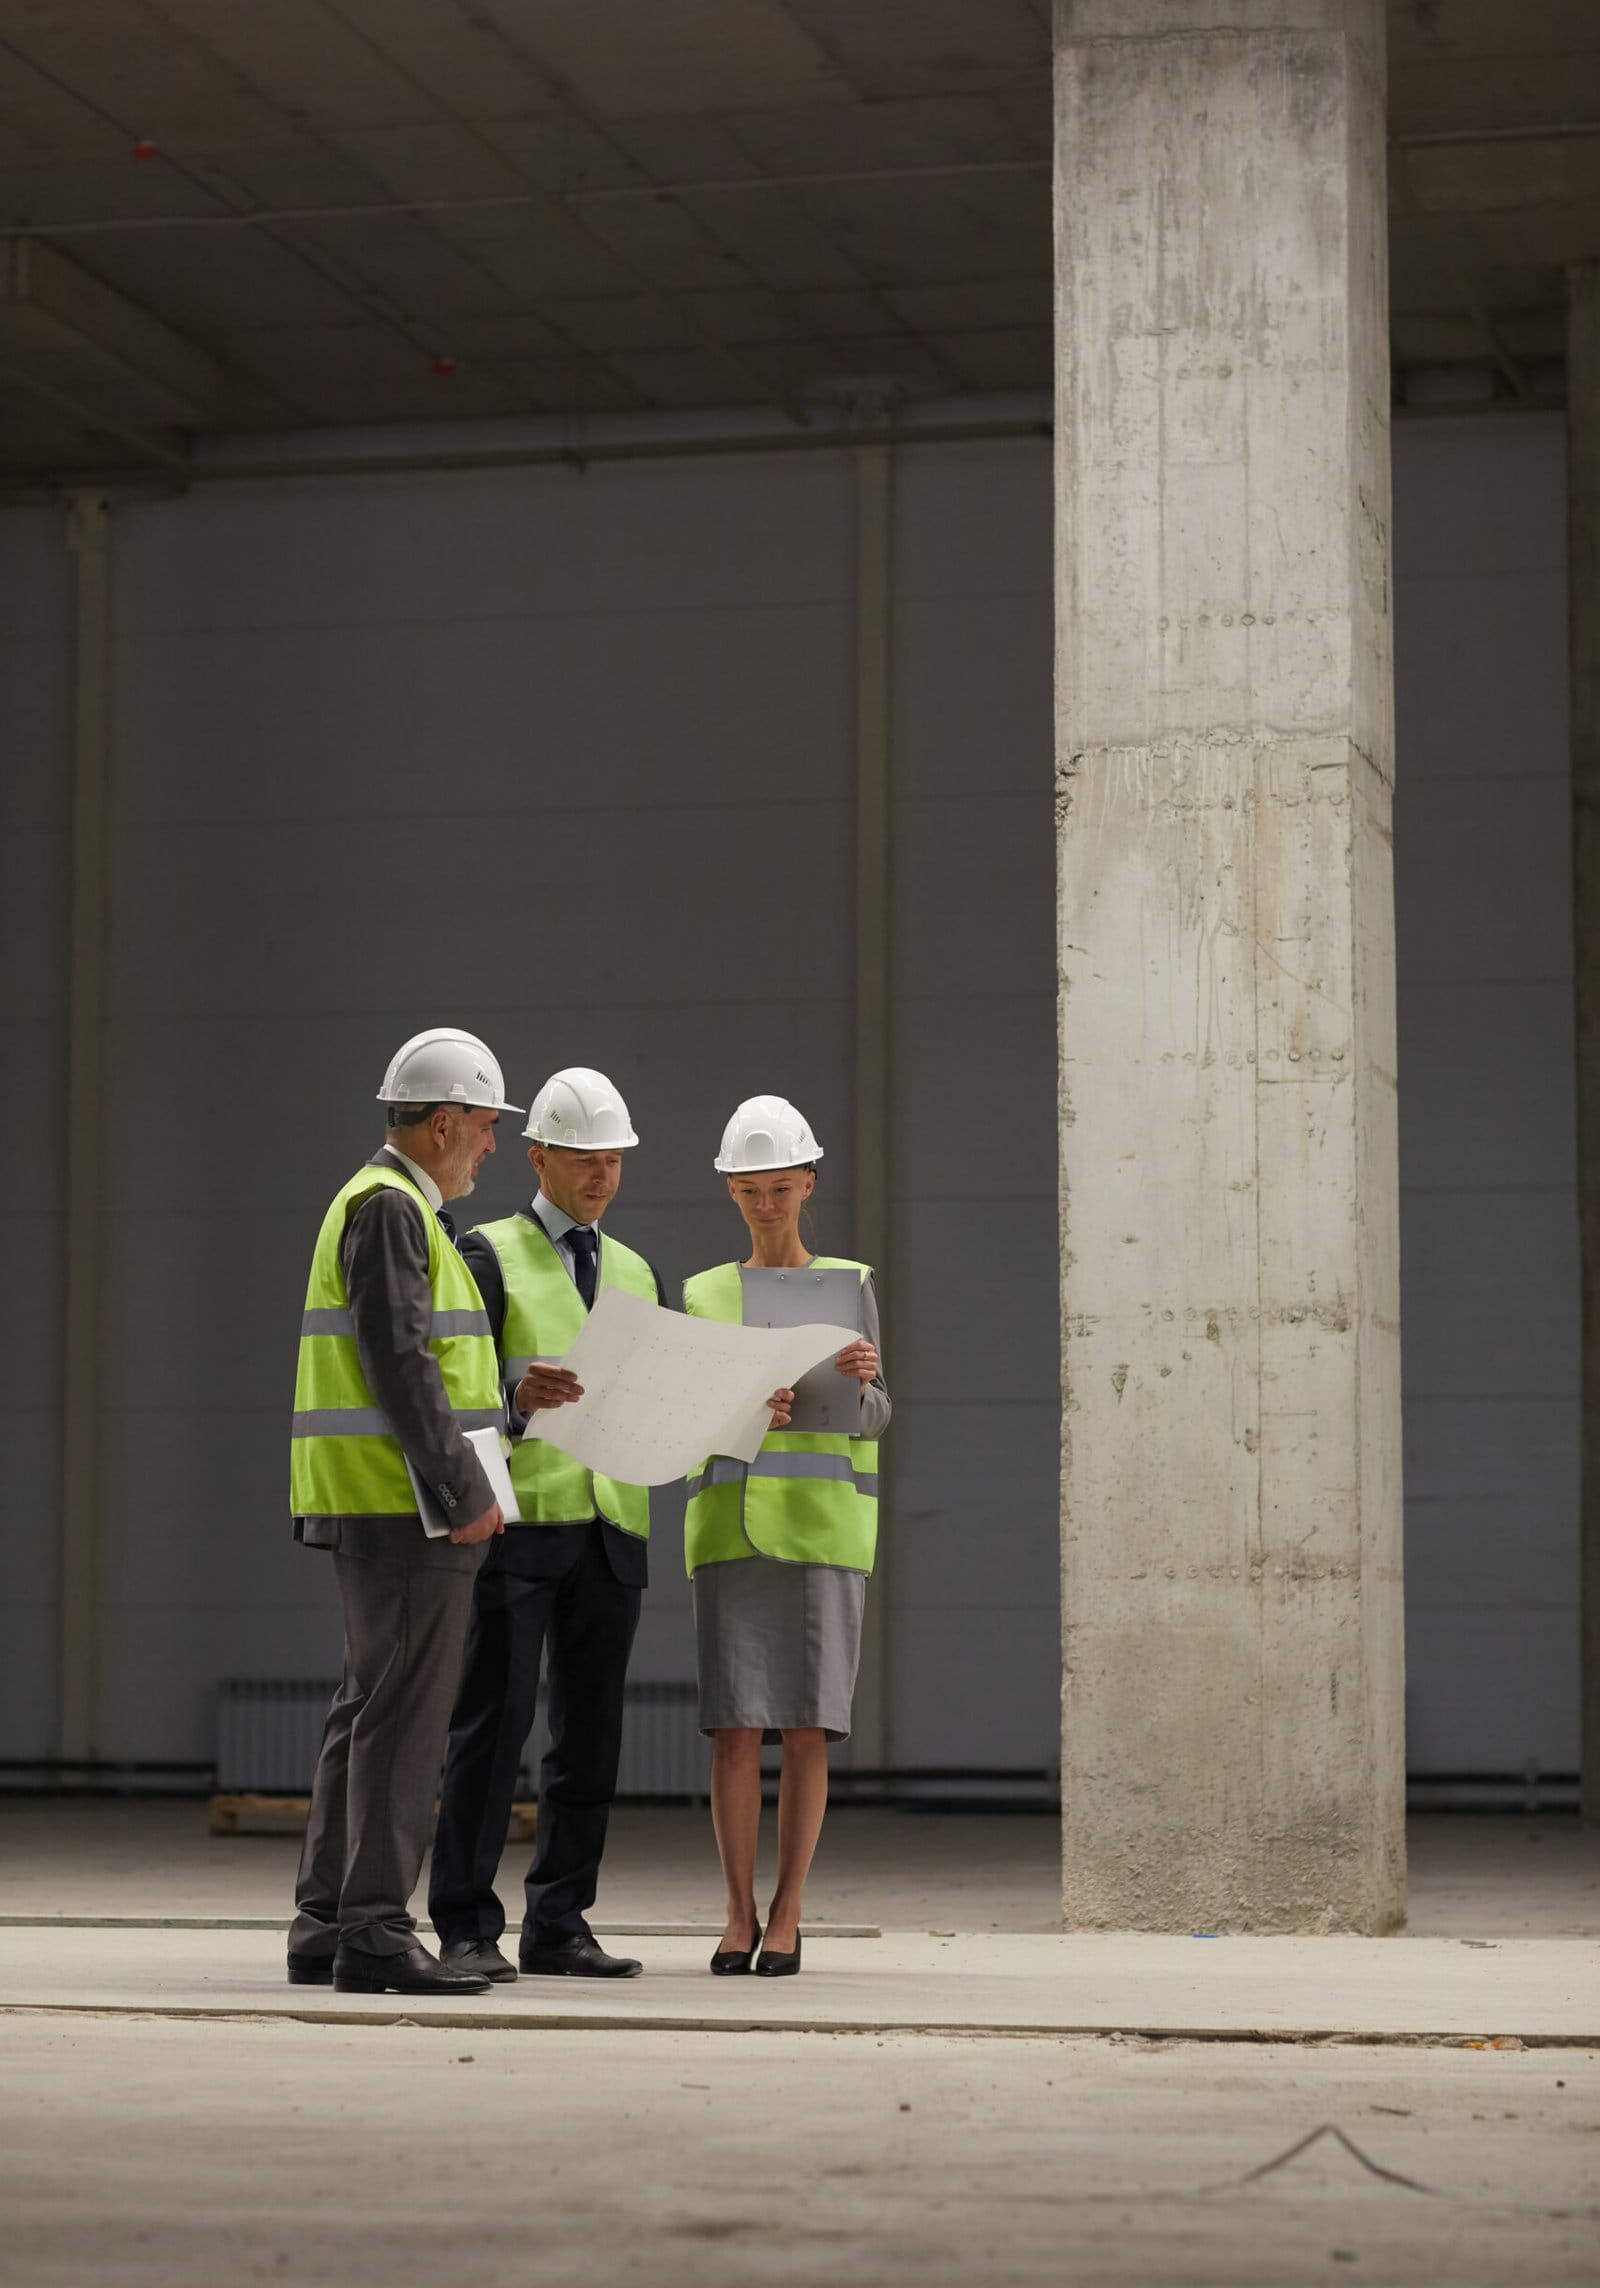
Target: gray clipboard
{"x":824,"y":1399}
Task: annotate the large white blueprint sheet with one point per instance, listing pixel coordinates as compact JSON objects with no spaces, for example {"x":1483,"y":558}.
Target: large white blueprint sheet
{"x":661,"y":1391}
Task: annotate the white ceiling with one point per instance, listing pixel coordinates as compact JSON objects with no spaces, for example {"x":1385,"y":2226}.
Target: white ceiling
{"x":259,"y":214}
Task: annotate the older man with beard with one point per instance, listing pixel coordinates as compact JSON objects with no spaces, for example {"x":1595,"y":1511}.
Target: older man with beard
{"x":397,"y":1364}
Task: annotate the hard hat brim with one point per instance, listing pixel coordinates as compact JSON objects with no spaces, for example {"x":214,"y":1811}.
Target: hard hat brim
{"x":466,"y":1103}
{"x":619,"y":1144}
{"x":762,"y":1167}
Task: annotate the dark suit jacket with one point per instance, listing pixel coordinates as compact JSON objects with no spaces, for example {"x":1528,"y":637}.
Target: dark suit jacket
{"x":545,"y":1550}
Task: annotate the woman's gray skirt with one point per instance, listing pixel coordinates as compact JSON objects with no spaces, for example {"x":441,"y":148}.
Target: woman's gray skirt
{"x":778,"y":1645}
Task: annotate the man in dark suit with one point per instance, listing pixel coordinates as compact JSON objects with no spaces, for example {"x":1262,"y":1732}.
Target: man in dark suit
{"x":565,"y":1582}
{"x":397,"y":1366}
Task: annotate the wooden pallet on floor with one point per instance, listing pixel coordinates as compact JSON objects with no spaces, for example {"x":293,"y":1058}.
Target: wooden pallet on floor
{"x":256,"y":1814}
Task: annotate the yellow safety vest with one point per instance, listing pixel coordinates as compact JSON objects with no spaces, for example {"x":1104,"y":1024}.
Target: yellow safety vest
{"x":344,"y":1460}
{"x":808,"y":1498}
{"x":544,"y":1312}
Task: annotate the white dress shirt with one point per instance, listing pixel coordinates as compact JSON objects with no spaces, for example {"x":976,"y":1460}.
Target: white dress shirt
{"x":419,"y":1176}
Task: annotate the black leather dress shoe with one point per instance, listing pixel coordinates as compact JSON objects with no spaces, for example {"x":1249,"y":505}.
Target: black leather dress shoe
{"x":310,"y":1969}
{"x":774,"y":1965}
{"x":412,"y":1972}
{"x":580,"y":1957}
{"x":480,"y":1954}
{"x":734,"y":1961}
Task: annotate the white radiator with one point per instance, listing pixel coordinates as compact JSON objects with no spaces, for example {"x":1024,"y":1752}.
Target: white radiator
{"x":269,"y":1730}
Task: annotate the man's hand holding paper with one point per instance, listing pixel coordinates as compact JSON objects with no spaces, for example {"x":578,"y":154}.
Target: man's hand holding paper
{"x":546,"y":1384}
{"x":661,"y":1391}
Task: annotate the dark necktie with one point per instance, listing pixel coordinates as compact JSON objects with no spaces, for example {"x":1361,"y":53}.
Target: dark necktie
{"x":585,"y":1247}
{"x":449,"y":1223}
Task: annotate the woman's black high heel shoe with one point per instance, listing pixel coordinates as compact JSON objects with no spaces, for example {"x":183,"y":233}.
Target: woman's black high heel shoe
{"x":734,"y":1961}
{"x":773,"y":1965}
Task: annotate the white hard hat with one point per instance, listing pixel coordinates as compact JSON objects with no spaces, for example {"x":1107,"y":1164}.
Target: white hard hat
{"x":445,"y":1066}
{"x":766,"y":1132}
{"x":581,"y":1111}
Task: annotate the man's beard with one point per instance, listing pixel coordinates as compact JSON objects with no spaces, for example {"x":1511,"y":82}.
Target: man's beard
{"x":460,"y":1181}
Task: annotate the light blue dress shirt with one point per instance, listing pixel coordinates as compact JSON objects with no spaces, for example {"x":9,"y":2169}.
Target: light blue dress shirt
{"x":557,"y":1224}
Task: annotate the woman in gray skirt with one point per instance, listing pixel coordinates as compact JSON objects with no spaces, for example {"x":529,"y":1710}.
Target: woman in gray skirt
{"x":779,"y":1551}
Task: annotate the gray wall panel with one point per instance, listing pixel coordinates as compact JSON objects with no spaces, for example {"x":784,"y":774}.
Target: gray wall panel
{"x":1470,"y":1706}
{"x":976,"y":1326}
{"x":539,"y":544}
{"x":1486,"y":1445}
{"x":980,"y":1685}
{"x":36,"y":583}
{"x":35,"y":812}
{"x":1482,"y":880}
{"x":34,"y":880}
{"x":28,"y":1674}
{"x":1492,"y":1300}
{"x":1488,"y":1213}
{"x":163,"y":1661}
{"x":1492,"y":1553}
{"x":974,"y":898}
{"x":206,"y":1519}
{"x":264,"y":918}
{"x":30,"y":1441}
{"x":1484,"y":692}
{"x":525,"y":720}
{"x":986,"y":1057}
{"x":209,"y":1304}
{"x":975,"y":520}
{"x":1479,"y":497}
{"x":33,"y":1332}
{"x":1487,"y":1089}
{"x":974,"y":709}
{"x":290,"y":917}
{"x":973,"y":1566}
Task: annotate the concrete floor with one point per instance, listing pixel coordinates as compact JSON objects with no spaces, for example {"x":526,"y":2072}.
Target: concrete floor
{"x":151,"y":2155}
{"x":928,"y":2107}
{"x":1470,"y":1877}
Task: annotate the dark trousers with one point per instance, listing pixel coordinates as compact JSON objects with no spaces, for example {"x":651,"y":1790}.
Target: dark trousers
{"x":587,"y":1618}
{"x":405,"y":1617}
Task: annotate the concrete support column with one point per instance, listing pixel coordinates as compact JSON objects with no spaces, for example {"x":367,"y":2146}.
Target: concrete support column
{"x":1232,"y":1738}
{"x":1583,"y":589}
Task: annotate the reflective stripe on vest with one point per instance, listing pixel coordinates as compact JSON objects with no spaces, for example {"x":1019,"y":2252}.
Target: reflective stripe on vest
{"x":544,"y":1312}
{"x":368,"y":1422}
{"x":808,"y":1498}
{"x":337,"y":1322}
{"x":722,"y":1470}
{"x":345,"y":1461}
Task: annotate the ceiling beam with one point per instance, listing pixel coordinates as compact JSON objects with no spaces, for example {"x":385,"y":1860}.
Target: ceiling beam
{"x":154,"y":451}
{"x":368,"y":210}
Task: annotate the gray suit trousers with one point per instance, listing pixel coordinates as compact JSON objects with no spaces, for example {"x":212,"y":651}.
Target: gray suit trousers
{"x":372,"y":1802}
